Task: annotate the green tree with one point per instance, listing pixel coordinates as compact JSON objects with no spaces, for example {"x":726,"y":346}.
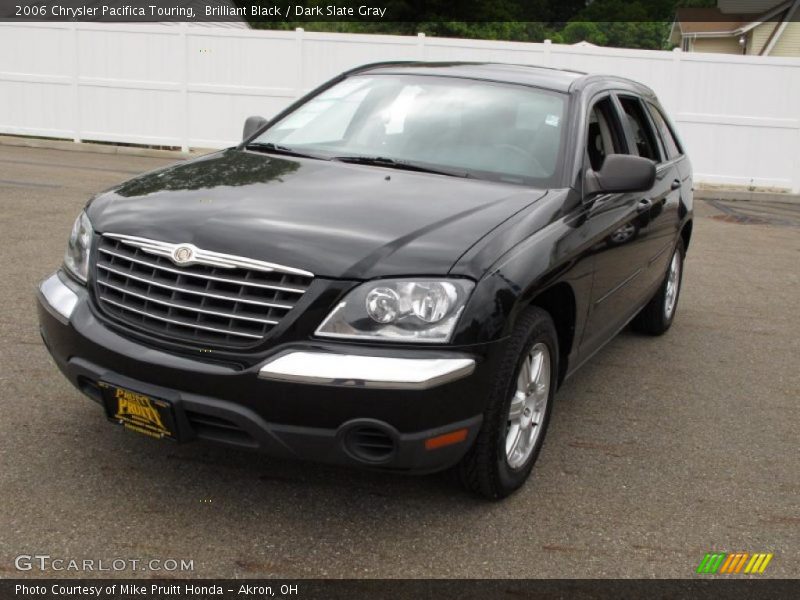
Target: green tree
{"x":579,"y":31}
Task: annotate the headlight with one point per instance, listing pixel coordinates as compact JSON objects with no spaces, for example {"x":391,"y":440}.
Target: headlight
{"x":400,"y":310}
{"x":76,"y":259}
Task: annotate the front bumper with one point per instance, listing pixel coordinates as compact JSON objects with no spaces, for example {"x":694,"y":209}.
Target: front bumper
{"x":347,"y":403}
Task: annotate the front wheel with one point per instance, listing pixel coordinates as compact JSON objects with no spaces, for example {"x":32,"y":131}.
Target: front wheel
{"x":657,"y":316}
{"x":515,"y":422}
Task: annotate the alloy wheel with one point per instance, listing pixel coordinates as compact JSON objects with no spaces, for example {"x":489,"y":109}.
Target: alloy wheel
{"x":528,"y":406}
{"x":673,"y":285}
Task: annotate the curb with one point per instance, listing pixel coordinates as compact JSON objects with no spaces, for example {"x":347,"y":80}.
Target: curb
{"x":97,"y":148}
{"x":745,"y":196}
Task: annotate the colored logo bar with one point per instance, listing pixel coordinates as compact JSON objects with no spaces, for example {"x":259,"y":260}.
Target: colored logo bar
{"x":727,"y":563}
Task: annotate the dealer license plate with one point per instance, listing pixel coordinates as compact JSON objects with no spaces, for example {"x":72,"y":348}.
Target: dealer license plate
{"x":139,"y":412}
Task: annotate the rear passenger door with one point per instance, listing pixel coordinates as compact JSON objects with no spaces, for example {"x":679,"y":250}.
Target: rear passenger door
{"x":659,"y":216}
{"x":674,"y":157}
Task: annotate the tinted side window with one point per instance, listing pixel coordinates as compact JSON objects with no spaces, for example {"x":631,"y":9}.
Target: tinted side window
{"x":642,"y":132}
{"x":671,"y":144}
{"x":603,"y":133}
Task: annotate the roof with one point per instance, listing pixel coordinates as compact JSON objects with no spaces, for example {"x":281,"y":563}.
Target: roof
{"x":554,"y":79}
{"x":559,"y":80}
{"x":712,"y":22}
{"x":706,"y":20}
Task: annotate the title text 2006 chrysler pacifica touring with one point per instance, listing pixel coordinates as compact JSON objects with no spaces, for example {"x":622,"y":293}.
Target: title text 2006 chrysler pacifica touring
{"x":397,"y":271}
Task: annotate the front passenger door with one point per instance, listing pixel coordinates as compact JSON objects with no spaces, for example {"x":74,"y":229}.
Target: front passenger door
{"x":659,"y":219}
{"x":613,"y":224}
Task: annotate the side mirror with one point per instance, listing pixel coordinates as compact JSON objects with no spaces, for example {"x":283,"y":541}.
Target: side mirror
{"x":251,"y":125}
{"x":621,"y":173}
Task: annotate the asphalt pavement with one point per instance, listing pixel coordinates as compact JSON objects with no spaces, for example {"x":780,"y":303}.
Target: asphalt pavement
{"x":659,"y":449}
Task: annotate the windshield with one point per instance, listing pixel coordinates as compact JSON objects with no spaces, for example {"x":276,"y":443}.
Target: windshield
{"x":488,"y":130}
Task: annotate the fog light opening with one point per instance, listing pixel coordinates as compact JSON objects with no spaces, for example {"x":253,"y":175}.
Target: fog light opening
{"x":370,"y":443}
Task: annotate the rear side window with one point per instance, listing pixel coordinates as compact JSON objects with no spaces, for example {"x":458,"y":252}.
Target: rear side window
{"x":643,"y":134}
{"x":670,"y":142}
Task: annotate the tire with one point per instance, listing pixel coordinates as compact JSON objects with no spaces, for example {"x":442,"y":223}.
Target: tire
{"x":488,"y":469}
{"x":657,"y":316}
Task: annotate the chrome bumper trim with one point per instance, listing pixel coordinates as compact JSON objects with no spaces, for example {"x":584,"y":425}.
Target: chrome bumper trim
{"x":60,"y":298}
{"x":323,"y":368}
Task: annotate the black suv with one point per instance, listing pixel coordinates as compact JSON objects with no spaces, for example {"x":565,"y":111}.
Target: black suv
{"x":396,"y":272}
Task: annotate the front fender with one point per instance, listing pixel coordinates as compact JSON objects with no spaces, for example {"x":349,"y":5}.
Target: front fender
{"x":540,"y":249}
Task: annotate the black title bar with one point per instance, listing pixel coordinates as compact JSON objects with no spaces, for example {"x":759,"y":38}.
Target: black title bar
{"x":707,"y":588}
{"x":374,"y":11}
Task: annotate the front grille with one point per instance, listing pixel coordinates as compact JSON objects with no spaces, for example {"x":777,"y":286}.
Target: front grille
{"x":221,"y":303}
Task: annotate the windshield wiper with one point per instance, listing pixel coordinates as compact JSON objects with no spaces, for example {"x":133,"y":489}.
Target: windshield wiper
{"x":271,"y":148}
{"x":383,"y":161}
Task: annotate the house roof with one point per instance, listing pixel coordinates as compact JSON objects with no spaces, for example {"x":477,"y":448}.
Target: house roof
{"x":712,"y":22}
{"x":707,"y":20}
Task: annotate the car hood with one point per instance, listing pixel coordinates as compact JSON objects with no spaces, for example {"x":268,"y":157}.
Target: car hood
{"x":334,"y":219}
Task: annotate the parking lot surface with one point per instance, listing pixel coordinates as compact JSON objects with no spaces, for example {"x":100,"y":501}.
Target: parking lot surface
{"x":659,"y":450}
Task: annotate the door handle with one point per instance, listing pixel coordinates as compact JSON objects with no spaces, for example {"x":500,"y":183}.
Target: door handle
{"x":645,"y":204}
{"x":675,"y":185}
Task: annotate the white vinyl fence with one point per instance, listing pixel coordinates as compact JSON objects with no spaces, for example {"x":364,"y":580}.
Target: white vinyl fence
{"x":193,"y":86}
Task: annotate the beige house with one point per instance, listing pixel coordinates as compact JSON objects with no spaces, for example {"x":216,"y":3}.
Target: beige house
{"x":760,"y":27}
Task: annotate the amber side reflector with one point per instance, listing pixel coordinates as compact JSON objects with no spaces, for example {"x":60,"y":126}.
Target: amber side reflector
{"x":447,"y":439}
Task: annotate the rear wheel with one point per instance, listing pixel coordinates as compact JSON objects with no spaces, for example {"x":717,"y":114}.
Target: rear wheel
{"x":515,"y":422}
{"x":657,"y":316}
